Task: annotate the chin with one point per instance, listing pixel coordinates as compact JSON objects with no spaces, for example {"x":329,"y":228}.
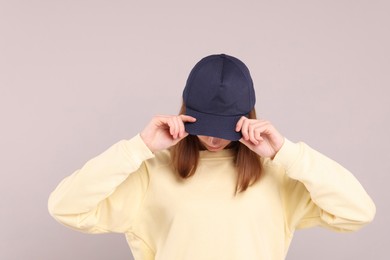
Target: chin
{"x":214,"y":149}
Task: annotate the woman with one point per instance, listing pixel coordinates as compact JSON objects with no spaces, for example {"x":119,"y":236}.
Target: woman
{"x":213,"y":182}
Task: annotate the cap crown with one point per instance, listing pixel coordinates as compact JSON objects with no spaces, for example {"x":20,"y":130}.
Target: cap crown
{"x":220,"y":85}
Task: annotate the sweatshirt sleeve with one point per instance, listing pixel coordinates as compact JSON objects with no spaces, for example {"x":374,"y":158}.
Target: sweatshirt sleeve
{"x":319,"y":191}
{"x":105,"y":194}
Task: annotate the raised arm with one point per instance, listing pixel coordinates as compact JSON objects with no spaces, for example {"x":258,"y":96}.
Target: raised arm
{"x":318,"y":190}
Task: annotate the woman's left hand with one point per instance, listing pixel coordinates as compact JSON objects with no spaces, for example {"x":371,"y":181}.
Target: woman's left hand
{"x":260,"y":136}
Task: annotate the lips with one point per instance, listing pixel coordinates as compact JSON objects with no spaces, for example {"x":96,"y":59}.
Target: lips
{"x":212,"y":143}
{"x":213,"y":148}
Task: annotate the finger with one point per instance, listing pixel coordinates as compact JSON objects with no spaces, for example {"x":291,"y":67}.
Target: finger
{"x":171,"y":125}
{"x":176,"y":131}
{"x":263,"y":128}
{"x":161,"y":120}
{"x":171,"y":122}
{"x":260,"y":126}
{"x":181,"y":128}
{"x":251,"y":132}
{"x":252,"y":129}
{"x":186,"y":118}
{"x":239,"y":124}
{"x":245,"y":128}
{"x":257,"y":134}
{"x":182,"y":120}
{"x":246,"y":143}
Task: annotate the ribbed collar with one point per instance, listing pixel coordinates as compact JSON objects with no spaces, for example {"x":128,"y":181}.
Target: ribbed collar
{"x":225,"y":153}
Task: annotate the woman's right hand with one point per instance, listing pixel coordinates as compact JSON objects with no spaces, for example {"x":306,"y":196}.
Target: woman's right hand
{"x":164,"y":131}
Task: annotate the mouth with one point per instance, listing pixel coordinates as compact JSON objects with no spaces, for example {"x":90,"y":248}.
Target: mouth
{"x":213,"y":148}
{"x":213,"y":144}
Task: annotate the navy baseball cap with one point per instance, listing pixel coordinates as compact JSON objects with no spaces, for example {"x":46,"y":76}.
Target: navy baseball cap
{"x":218,"y":92}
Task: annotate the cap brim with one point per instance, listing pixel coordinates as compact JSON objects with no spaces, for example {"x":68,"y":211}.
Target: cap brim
{"x":212,"y":125}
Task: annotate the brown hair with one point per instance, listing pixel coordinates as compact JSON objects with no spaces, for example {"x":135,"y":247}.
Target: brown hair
{"x":185,"y":157}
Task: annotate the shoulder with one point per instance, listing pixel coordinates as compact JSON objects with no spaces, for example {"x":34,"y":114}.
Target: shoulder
{"x":160,"y":159}
{"x":275,"y":171}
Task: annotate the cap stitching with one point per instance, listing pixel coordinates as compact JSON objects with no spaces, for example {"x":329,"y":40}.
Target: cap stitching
{"x":248,"y":79}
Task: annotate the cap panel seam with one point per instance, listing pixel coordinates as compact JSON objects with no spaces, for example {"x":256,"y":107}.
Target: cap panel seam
{"x":249,"y":79}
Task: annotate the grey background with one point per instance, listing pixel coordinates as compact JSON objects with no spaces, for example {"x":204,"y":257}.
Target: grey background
{"x":77,"y":76}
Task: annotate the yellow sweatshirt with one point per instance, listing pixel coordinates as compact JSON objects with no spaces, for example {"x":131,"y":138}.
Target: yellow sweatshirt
{"x":130,"y":190}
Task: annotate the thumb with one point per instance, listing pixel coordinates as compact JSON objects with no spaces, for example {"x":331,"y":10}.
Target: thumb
{"x":246,"y":142}
{"x":178,"y":139}
{"x":251,"y":146}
